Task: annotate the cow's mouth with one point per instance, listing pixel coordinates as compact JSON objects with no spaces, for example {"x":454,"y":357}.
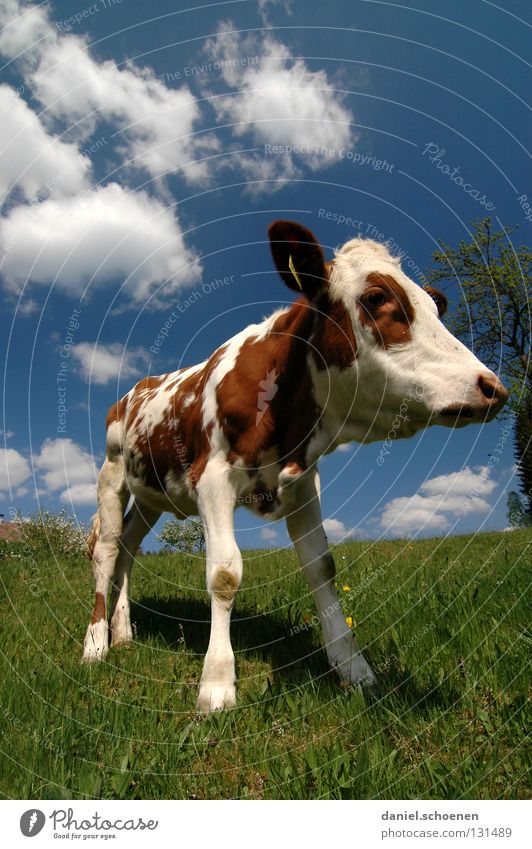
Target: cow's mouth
{"x":459,"y":415}
{"x":459,"y":411}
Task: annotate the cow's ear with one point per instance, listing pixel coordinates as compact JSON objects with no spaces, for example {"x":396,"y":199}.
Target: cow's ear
{"x":298,"y":258}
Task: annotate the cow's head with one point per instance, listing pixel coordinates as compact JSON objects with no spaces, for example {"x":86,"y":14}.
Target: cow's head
{"x":387,"y":348}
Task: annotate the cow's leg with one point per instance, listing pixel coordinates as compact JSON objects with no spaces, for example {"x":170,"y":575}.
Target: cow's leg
{"x":137,"y":523}
{"x":112,"y":500}
{"x":306,"y":531}
{"x":216,"y":499}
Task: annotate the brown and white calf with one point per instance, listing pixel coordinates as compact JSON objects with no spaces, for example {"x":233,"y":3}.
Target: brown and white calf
{"x":249,"y":425}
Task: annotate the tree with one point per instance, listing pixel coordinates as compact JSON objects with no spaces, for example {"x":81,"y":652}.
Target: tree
{"x":494,"y":319}
{"x":184,"y":536}
{"x":517,"y":511}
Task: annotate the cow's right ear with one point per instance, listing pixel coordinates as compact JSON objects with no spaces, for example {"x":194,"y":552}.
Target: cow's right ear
{"x":298,"y":258}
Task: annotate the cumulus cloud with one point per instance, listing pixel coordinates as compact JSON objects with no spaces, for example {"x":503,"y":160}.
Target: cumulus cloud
{"x":268,"y":534}
{"x":67,"y":471}
{"x":157,"y":124}
{"x":440,"y":501}
{"x":99,"y":363}
{"x":336,"y":530}
{"x":105,"y":234}
{"x":278,"y":101}
{"x":34,"y":161}
{"x":14,"y":470}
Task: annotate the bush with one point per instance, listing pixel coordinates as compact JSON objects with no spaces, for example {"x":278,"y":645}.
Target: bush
{"x":45,"y":532}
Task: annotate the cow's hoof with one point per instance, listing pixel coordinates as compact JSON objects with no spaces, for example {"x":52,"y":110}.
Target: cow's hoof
{"x":216,"y":697}
{"x":96,"y":643}
{"x":357,"y":671}
{"x":121,"y":636}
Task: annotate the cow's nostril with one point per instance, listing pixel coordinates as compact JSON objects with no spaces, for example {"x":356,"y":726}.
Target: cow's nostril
{"x":492,"y":388}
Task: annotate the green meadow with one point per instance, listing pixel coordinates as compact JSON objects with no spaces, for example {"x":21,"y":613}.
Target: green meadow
{"x":442,"y":621}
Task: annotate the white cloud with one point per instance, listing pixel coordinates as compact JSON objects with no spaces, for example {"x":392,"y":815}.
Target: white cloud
{"x":439,"y":501}
{"x":268,"y":534}
{"x":79,"y":493}
{"x":14,"y":470}
{"x":157,"y":123}
{"x":34,"y":161}
{"x":68,"y":470}
{"x":336,"y":530}
{"x":101,"y":363}
{"x":278,"y":101}
{"x":107,"y":233}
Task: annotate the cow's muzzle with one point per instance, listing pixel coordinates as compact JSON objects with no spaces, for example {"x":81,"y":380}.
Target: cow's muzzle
{"x":491,"y":397}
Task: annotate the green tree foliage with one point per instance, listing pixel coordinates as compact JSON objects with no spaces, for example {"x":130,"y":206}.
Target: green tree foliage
{"x":184,"y":536}
{"x":494,"y":318}
{"x":517,"y":511}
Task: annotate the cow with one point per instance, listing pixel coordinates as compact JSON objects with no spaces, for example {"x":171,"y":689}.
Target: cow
{"x":248,"y":426}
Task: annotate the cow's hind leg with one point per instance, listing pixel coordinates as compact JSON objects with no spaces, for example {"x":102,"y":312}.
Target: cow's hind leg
{"x":138,"y":521}
{"x":306,"y":531}
{"x":112,"y":500}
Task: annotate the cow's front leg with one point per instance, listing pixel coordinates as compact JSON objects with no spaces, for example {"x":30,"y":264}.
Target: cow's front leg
{"x":306,"y":531}
{"x":216,"y":500}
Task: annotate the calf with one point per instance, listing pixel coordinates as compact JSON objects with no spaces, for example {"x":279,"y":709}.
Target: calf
{"x":249,"y":424}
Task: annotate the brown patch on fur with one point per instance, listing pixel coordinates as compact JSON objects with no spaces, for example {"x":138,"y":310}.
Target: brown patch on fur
{"x":390,"y":320}
{"x":224,"y":585}
{"x":288,"y":419}
{"x":99,"y":609}
{"x":179,"y":442}
{"x":116,"y":412}
{"x":334,"y":339}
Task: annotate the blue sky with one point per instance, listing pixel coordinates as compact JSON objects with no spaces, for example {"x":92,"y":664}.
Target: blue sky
{"x":140,"y":170}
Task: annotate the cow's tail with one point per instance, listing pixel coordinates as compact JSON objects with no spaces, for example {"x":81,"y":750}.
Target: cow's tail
{"x":93,"y":535}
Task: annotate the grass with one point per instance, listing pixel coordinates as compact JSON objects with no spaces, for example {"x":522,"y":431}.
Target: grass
{"x":443,"y":622}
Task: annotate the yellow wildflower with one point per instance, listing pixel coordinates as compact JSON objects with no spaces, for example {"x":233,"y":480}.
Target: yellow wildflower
{"x":345,"y":588}
{"x":349,"y":621}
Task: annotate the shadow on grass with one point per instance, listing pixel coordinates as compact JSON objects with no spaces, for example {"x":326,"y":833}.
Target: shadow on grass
{"x":294,"y":653}
{"x":254,"y":636}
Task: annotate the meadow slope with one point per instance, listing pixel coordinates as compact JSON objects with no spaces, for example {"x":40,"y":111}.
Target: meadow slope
{"x":443,"y":622}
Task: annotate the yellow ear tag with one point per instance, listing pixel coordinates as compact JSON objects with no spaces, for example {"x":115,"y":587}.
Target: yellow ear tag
{"x":292,"y":268}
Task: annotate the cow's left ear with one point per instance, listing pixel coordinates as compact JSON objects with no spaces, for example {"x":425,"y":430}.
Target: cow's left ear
{"x":298,"y":257}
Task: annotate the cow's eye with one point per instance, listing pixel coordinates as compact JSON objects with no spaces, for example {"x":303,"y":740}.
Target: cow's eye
{"x":375,"y":299}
